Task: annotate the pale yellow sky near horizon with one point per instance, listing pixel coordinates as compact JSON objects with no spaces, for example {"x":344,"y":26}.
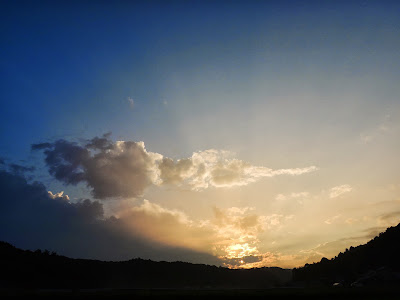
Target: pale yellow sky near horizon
{"x":252,"y":216}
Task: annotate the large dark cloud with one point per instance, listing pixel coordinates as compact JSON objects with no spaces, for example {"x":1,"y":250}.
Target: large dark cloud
{"x":31,"y":218}
{"x":121,"y":169}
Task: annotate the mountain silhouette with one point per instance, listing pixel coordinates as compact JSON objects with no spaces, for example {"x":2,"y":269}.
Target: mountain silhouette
{"x":376,"y":263}
{"x":44,"y":270}
{"x":373,"y":265}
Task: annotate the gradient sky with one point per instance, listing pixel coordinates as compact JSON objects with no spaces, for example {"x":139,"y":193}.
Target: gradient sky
{"x":242,"y":133}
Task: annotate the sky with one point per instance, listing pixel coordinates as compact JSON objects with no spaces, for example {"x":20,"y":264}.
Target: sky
{"x":234,"y":133}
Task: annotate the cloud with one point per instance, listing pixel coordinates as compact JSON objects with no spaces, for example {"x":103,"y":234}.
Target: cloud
{"x":332,"y":248}
{"x":166,"y":226}
{"x":15,"y":168}
{"x":126,"y":168}
{"x":389,"y":219}
{"x":333,"y":219}
{"x":339,"y":190}
{"x":298,"y":196}
{"x":40,"y":146}
{"x":366,"y":138}
{"x":231,"y":235}
{"x":131,"y":102}
{"x":377,"y":131}
{"x":120,"y":169}
{"x":217,"y":168}
{"x":32,"y":218}
{"x":236,"y":234}
{"x":58,"y":195}
{"x":351,"y":221}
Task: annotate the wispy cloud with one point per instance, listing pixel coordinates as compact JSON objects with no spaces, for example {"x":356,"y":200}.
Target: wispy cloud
{"x":333,"y":219}
{"x":339,"y":190}
{"x":389,"y":219}
{"x":218,"y":168}
{"x":131,"y":102}
{"x":298,"y":196}
{"x":381,"y":129}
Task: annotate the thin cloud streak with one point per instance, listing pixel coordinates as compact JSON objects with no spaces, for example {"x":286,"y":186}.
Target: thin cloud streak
{"x":339,"y":190}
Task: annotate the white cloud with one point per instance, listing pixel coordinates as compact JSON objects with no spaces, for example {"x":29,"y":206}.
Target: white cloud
{"x":217,"y":168}
{"x":131,"y":102}
{"x":366,"y":138}
{"x":156,"y":210}
{"x":333,"y":219}
{"x":58,"y":195}
{"x":339,"y":190}
{"x":351,"y":221}
{"x":381,"y":129}
{"x":298,"y":196}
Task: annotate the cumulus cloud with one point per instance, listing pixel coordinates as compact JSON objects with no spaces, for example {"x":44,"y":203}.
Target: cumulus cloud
{"x":339,"y":190}
{"x":126,"y":168}
{"x":120,"y":169}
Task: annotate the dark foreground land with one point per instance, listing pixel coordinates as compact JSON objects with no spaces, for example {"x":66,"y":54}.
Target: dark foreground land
{"x":370,"y":271}
{"x":273,"y":293}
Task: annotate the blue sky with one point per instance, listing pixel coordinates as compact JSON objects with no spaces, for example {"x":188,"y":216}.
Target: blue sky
{"x":280,"y":84}
{"x":75,"y":64}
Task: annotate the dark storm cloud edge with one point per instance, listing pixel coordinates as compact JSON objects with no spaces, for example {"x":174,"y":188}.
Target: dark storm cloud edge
{"x":30,"y":218}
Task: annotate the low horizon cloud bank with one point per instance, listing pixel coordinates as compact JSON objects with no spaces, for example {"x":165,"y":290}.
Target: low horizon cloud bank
{"x":125,"y":168}
{"x":33,"y":218}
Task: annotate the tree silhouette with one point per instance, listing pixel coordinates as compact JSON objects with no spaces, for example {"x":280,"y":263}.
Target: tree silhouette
{"x":381,"y":255}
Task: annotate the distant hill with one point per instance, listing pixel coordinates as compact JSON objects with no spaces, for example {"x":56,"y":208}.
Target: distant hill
{"x":376,"y":263}
{"x":41,"y":269}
